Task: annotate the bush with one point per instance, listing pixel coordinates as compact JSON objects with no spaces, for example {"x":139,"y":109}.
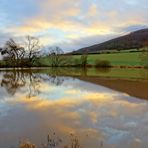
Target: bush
{"x":102,"y":63}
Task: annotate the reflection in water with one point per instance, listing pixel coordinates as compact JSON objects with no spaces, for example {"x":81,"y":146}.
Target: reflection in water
{"x":144,"y":73}
{"x":15,"y":80}
{"x":103,"y":70}
{"x":69,"y":112}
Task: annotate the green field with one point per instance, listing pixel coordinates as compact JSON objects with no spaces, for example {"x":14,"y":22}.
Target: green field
{"x":127,"y":59}
{"x":115,"y":59}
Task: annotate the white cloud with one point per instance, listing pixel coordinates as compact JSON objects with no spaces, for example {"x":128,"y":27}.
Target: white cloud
{"x":71,"y":21}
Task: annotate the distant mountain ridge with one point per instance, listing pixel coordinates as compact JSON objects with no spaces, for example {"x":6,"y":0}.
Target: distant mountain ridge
{"x":133,"y":40}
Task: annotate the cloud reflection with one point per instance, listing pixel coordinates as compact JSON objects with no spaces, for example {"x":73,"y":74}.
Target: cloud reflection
{"x":103,"y":114}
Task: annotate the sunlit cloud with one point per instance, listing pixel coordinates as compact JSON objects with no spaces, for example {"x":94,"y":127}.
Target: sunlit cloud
{"x":71,"y":20}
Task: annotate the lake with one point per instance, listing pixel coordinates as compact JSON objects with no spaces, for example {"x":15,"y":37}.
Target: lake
{"x":74,"y":108}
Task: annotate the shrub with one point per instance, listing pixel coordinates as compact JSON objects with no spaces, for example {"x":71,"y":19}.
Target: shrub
{"x":102,"y":63}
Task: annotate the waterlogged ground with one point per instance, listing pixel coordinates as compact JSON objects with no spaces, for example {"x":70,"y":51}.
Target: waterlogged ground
{"x":63,"y":112}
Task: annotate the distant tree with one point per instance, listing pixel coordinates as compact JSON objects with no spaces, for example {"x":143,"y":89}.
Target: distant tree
{"x":84,"y":60}
{"x":13,"y":52}
{"x":32,"y":48}
{"x":56,"y":56}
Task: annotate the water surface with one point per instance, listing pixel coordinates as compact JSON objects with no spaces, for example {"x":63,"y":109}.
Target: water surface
{"x":37,"y":105}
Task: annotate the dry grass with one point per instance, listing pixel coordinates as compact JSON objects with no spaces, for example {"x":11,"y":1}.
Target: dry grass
{"x":27,"y":145}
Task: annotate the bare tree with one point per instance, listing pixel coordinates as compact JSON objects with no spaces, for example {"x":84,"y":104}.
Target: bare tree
{"x":32,"y":48}
{"x":13,"y":52}
{"x":56,"y":58}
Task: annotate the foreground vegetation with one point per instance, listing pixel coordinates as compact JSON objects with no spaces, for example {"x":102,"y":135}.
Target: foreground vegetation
{"x":54,"y":141}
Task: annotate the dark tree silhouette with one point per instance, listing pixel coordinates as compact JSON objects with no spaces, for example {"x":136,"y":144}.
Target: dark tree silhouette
{"x":32,"y":48}
{"x":55,"y":55}
{"x":13,"y":53}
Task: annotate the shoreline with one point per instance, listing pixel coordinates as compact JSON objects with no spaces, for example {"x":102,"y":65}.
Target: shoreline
{"x":88,"y":66}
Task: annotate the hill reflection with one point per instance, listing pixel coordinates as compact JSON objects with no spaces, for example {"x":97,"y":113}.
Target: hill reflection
{"x":35,"y":105}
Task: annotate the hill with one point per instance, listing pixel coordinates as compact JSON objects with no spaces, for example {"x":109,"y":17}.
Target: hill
{"x":134,"y":40}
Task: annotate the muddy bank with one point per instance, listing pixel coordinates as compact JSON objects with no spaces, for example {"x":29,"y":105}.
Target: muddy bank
{"x":135,"y":88}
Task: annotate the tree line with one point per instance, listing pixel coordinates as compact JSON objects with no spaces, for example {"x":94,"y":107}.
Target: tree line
{"x":28,"y":53}
{"x":15,"y":54}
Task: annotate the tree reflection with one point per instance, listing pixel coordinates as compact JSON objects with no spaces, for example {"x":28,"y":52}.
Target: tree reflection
{"x":34,"y":82}
{"x":14,"y":81}
{"x":53,"y":76}
{"x":56,"y":80}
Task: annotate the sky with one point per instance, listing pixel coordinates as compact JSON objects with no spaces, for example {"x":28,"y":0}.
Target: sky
{"x":71,"y":24}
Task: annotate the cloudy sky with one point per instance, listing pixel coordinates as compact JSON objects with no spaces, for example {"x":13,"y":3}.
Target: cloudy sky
{"x":71,"y":24}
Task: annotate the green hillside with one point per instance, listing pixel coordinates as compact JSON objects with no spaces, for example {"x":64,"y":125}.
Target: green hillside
{"x":134,"y":40}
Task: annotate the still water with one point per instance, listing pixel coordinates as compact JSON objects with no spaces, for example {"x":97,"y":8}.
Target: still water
{"x":64,"y":111}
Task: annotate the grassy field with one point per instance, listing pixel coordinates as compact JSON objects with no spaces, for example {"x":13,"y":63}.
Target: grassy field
{"x":115,"y":59}
{"x":127,"y":59}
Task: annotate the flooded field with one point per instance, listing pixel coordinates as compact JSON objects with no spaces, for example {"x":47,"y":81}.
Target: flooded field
{"x":75,"y":108}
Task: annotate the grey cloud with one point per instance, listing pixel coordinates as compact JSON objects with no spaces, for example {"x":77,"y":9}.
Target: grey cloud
{"x":109,"y":13}
{"x":84,"y":42}
{"x":131,"y":28}
{"x":92,"y":40}
{"x":4,"y":36}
